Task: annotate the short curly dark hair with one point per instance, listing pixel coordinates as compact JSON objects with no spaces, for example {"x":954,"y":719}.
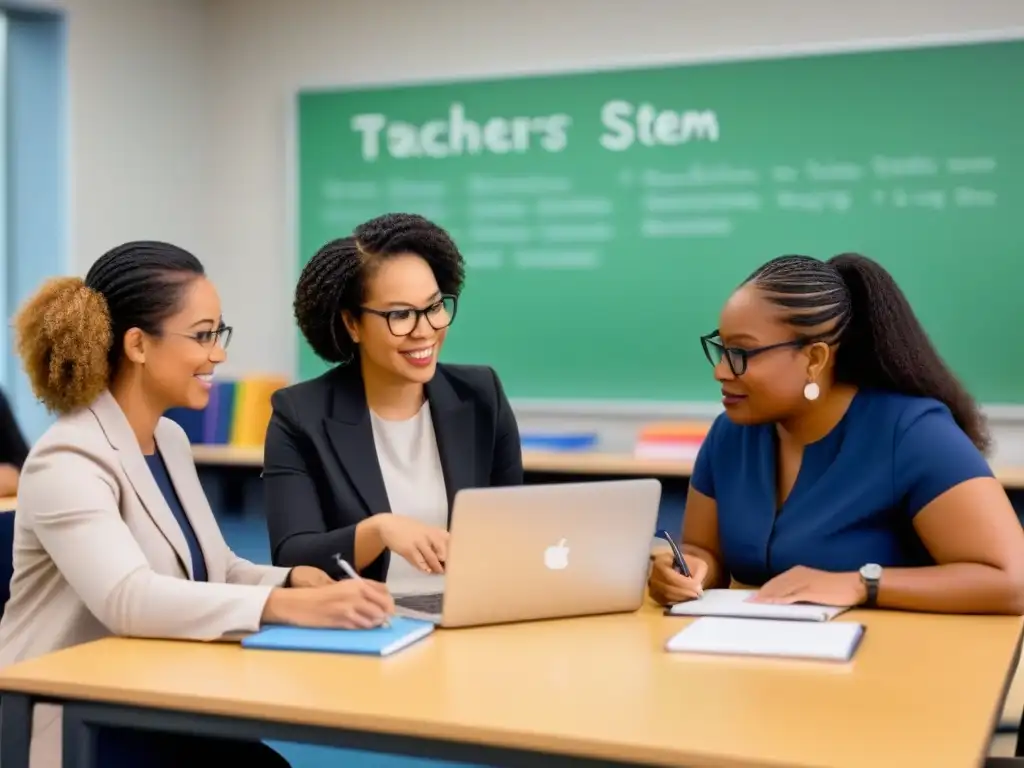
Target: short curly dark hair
{"x":334,"y":280}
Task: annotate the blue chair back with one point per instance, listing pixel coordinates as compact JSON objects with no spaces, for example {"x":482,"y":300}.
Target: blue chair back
{"x":6,"y":557}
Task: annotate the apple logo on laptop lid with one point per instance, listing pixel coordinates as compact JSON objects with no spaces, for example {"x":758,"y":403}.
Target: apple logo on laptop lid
{"x":556,"y":557}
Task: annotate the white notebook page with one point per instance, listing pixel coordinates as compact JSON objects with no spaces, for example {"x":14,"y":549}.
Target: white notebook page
{"x":734,"y":602}
{"x":768,"y":637}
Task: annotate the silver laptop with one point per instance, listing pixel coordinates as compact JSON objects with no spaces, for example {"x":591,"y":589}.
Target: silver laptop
{"x":543,"y":551}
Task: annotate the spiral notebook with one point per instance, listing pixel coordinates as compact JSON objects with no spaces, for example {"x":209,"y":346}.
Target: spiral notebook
{"x":382,"y":641}
{"x":735,"y":603}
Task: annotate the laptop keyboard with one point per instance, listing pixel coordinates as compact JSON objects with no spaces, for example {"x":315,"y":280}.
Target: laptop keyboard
{"x":422,"y":603}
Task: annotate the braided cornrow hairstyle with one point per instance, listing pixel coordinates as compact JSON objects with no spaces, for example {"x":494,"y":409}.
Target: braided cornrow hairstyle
{"x":334,"y":280}
{"x":70,"y":333}
{"x":854,"y":302}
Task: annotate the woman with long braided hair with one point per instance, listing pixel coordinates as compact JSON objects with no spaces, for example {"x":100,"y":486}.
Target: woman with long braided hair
{"x":848,"y":467}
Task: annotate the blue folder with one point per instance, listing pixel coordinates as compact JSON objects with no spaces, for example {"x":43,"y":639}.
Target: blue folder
{"x":560,"y":442}
{"x":382,"y":641}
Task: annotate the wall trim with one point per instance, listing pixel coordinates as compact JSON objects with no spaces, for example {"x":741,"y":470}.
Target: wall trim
{"x":751,"y":53}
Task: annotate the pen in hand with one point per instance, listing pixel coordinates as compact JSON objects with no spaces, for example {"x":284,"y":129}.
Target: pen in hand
{"x":352,"y":574}
{"x":678,"y":561}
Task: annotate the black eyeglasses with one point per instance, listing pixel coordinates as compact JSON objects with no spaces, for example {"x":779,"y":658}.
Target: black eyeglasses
{"x":402,"y":322}
{"x":739,"y":358}
{"x":210,"y":339}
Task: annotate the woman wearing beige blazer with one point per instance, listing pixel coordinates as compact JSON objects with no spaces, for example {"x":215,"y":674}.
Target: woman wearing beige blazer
{"x":113,"y":533}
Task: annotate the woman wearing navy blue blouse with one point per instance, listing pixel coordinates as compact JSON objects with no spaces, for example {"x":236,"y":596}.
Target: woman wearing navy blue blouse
{"x":848,"y":467}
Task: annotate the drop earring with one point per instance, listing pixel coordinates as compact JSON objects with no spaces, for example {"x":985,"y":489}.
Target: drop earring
{"x":811,"y":391}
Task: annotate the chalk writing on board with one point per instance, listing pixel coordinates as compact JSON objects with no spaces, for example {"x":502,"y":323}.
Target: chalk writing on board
{"x":815,"y":201}
{"x":968,"y":197}
{"x":698,"y":175}
{"x":883,"y":166}
{"x":557,"y":259}
{"x":702,"y":202}
{"x":815,"y":170}
{"x":554,"y":220}
{"x":588,"y":206}
{"x":971,"y":165}
{"x":627,"y":124}
{"x":500,"y":235}
{"x":336,"y":189}
{"x":479,"y":184}
{"x":457,"y":133}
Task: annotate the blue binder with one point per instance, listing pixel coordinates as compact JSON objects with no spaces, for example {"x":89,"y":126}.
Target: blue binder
{"x":382,"y":641}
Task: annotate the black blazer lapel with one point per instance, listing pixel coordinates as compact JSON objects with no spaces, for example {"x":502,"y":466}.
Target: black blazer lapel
{"x":455,"y":429}
{"x":351,"y":436}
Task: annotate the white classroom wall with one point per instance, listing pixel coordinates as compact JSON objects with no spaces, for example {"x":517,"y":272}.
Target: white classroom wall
{"x":139,"y":123}
{"x":179,"y":109}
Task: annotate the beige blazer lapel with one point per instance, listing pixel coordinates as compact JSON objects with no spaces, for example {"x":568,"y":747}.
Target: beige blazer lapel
{"x":119,"y":433}
{"x":182,"y":470}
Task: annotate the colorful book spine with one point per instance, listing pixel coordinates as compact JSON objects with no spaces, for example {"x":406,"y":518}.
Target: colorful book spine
{"x":220,"y":413}
{"x":252,"y":409}
{"x":672,"y":441}
{"x":238,"y":412}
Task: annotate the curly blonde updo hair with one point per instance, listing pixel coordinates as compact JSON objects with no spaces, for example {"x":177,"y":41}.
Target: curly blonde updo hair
{"x":63,"y":339}
{"x":70,"y":334}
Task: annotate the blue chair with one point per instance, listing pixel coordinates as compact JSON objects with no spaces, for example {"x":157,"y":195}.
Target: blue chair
{"x":6,"y":557}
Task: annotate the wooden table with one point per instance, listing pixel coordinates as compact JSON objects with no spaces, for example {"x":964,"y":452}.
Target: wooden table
{"x":8,"y":503}
{"x":922,"y":690}
{"x":582,"y":463}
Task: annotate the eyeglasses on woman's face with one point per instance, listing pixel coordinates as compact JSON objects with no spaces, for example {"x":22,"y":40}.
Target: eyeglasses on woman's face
{"x":403,"y":322}
{"x":738,"y":358}
{"x":211,"y":337}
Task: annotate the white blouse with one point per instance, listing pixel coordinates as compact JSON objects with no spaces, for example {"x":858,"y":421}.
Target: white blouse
{"x":411,"y":467}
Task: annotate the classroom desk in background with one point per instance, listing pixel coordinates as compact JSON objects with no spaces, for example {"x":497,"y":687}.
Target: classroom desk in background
{"x":581,"y":463}
{"x":601,"y":690}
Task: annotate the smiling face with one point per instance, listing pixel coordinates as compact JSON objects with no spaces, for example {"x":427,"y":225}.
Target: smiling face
{"x":404,"y":319}
{"x":770,"y":389}
{"x":177,"y":365}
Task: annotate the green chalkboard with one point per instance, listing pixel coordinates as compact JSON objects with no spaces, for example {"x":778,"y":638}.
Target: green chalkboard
{"x":605,"y":216}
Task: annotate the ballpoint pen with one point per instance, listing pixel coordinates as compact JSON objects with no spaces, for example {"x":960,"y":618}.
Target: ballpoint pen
{"x":678,"y":561}
{"x":352,"y":574}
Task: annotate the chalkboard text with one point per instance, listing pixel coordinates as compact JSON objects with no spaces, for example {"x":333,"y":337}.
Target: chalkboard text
{"x":627,"y":123}
{"x":459,"y":135}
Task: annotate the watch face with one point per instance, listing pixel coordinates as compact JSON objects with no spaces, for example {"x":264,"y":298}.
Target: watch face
{"x":871,"y":571}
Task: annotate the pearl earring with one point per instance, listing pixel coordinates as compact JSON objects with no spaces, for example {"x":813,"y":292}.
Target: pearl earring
{"x":811,"y":391}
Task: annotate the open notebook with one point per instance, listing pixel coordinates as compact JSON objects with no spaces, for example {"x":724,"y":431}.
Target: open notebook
{"x":769,"y":637}
{"x":734,"y":602}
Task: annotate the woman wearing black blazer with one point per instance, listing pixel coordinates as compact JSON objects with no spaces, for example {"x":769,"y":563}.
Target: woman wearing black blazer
{"x":365,"y":460}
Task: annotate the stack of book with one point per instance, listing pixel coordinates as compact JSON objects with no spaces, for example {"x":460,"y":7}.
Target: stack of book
{"x":671,"y":441}
{"x":238,"y":412}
